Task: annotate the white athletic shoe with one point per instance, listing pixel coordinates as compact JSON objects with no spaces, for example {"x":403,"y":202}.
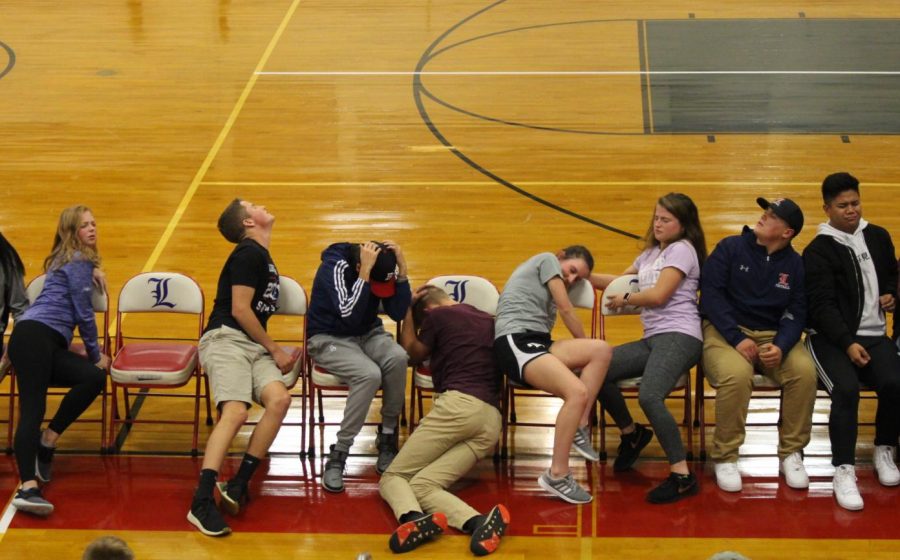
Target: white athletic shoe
{"x":888,"y":475}
{"x":794,"y":472}
{"x":845,"y":491}
{"x":728,"y":477}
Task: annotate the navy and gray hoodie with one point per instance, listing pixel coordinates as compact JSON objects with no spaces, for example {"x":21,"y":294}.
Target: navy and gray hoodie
{"x":742,"y":284}
{"x":341,"y":303}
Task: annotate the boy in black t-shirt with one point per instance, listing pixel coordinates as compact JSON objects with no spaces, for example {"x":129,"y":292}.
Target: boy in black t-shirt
{"x":243,"y":363}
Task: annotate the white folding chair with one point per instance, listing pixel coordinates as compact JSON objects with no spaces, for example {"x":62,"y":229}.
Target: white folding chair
{"x":323,"y":384}
{"x":582,"y":296}
{"x":149,"y":366}
{"x":631,"y":387}
{"x":476,"y":291}
{"x":292,"y":302}
{"x":100,"y":303}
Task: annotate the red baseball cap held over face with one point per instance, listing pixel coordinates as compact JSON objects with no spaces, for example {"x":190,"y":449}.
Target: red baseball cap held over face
{"x":383,"y":277}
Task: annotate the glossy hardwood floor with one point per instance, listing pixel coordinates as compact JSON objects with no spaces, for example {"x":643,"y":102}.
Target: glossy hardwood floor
{"x":531,"y":125}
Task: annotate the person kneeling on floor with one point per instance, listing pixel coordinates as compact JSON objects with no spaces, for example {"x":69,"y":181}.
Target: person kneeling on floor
{"x":462,"y":428}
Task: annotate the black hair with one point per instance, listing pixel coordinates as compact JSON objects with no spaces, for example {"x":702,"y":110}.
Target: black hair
{"x":836,"y":183}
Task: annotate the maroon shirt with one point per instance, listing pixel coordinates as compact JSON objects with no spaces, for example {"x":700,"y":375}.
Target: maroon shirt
{"x":461,"y":339}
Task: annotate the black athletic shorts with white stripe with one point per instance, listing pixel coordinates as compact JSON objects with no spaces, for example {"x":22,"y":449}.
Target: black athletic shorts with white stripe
{"x":514,"y":351}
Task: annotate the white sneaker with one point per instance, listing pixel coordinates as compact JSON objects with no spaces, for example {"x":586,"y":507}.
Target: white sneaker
{"x":728,"y":477}
{"x":794,"y":472}
{"x":888,"y":475}
{"x":845,"y":491}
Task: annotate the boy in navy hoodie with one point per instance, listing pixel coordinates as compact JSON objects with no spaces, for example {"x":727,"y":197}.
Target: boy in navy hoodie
{"x":754,"y":308}
{"x":346,"y":337}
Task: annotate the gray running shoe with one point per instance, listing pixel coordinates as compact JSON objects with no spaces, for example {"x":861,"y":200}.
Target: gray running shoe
{"x":565,"y":488}
{"x":582,"y":444}
{"x":333,"y":475}
{"x":33,"y":502}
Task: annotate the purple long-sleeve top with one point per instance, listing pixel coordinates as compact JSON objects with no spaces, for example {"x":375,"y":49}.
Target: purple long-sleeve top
{"x":65,"y":302}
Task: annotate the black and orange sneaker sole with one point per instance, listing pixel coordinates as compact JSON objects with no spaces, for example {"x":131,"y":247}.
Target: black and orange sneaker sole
{"x":486,"y":538}
{"x":413,"y":533}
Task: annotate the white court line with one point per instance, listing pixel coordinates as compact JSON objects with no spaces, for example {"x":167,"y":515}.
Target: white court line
{"x":524,"y":183}
{"x":7,"y":518}
{"x":588,"y":73}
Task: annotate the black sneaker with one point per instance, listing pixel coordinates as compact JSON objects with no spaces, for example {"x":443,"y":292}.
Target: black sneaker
{"x":631,"y":446}
{"x":234,"y":494}
{"x":486,"y":538}
{"x":206,"y":517}
{"x":33,"y":502}
{"x":43,"y":462}
{"x":674,"y":488}
{"x":387,"y":450}
{"x":333,"y":475}
{"x":411,"y":534}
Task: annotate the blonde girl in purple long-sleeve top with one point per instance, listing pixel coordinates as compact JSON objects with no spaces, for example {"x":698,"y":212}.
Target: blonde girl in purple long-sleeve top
{"x":39,"y":352}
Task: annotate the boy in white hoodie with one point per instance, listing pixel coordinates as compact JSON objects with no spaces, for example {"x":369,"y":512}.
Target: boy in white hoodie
{"x":851,"y":283}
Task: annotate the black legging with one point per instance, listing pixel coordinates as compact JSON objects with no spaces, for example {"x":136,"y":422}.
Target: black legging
{"x":41,"y":360}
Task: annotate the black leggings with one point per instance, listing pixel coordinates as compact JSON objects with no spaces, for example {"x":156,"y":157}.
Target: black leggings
{"x":41,"y":360}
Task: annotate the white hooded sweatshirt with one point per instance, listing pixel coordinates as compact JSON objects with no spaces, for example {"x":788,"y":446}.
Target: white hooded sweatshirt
{"x":872,"y":322}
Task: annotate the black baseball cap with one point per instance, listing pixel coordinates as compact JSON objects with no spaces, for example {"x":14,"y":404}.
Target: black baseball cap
{"x":786,"y":209}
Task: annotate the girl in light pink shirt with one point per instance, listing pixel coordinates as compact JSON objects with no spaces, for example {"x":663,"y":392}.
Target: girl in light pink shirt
{"x":668,"y":273}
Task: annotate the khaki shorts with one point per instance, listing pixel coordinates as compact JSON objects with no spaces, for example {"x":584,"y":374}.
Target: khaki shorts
{"x":238,"y":368}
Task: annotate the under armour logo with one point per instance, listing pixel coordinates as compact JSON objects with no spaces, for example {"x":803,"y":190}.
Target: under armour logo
{"x":457,"y":289}
{"x":160,"y":292}
{"x":534,"y":345}
{"x":744,"y":268}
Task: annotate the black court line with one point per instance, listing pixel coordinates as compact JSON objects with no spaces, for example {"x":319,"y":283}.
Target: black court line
{"x":645,"y":78}
{"x":126,"y":427}
{"x":439,"y":52}
{"x":645,"y":82}
{"x":427,"y":92}
{"x":12,"y":59}
{"x":419,"y":89}
{"x":430,"y":57}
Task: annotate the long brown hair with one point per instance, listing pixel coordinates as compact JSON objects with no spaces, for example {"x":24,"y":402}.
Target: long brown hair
{"x":682,"y":207}
{"x":67,"y":243}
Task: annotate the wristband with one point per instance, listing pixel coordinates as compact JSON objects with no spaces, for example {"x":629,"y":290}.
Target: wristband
{"x":625,"y":297}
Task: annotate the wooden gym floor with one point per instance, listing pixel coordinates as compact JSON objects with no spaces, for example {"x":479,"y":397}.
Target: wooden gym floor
{"x":475,"y":134}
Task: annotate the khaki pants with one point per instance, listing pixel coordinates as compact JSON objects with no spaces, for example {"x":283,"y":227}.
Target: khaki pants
{"x":733,"y":375}
{"x":458,"y":431}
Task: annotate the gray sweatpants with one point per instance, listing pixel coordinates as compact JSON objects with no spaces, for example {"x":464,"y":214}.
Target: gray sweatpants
{"x":660,"y":360}
{"x":365,"y":364}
